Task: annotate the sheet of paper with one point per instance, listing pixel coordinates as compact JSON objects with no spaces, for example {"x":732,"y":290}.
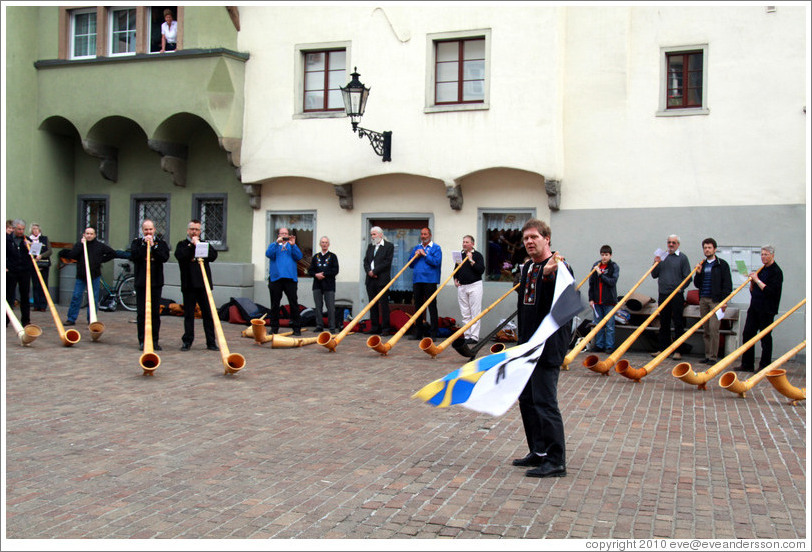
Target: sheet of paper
{"x":36,"y":249}
{"x":661,"y":253}
{"x":720,"y":314}
{"x":201,"y":250}
{"x":457,"y":256}
{"x":741,"y":267}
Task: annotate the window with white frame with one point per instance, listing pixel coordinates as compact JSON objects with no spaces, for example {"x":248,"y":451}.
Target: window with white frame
{"x":210,"y":210}
{"x":122,"y":31}
{"x":301,"y":224}
{"x":458,"y":71}
{"x":324,"y":73}
{"x":683,"y":81}
{"x":83,"y":33}
{"x":501,"y":242}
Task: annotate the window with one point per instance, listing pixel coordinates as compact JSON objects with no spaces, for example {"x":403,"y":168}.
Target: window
{"x":460,"y":71}
{"x":501,"y":242}
{"x":210,"y":209}
{"x":152,"y":207}
{"x":156,"y":19}
{"x":324,"y":73}
{"x":301,"y":224}
{"x":122,"y":31}
{"x":93,"y":212}
{"x":83,"y":34}
{"x":683,"y":87}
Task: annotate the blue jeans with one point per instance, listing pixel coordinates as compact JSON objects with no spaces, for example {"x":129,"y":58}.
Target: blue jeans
{"x":606,"y":337}
{"x":78,"y":295}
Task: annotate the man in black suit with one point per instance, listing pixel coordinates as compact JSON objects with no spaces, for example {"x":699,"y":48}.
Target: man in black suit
{"x":378,"y":267}
{"x":193,"y":287}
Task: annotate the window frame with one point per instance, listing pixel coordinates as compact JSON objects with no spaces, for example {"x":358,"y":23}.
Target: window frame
{"x":102,"y":230}
{"x":326,"y":81}
{"x":270,"y":233}
{"x":197,"y":202}
{"x":111,"y":34}
{"x":300,"y":50}
{"x":482,"y":231}
{"x":460,"y":76}
{"x":431,"y":106}
{"x":72,"y":32}
{"x":135,"y":223}
{"x":665,"y":52}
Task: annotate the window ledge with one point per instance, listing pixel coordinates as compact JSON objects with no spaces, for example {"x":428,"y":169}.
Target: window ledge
{"x":320,"y":115}
{"x":683,"y":112}
{"x":123,"y":58}
{"x":456,"y":107}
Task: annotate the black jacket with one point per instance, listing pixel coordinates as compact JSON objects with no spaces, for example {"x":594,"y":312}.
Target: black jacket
{"x":190,"y":275}
{"x":721,"y":282}
{"x":767,"y":300}
{"x":607,"y":295}
{"x":17,"y":257}
{"x":471,"y":272}
{"x":383,"y":261}
{"x":328,"y":264}
{"x":97,"y":253}
{"x":158,"y":256}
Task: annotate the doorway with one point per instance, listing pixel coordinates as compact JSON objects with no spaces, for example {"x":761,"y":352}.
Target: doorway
{"x":404,"y":233}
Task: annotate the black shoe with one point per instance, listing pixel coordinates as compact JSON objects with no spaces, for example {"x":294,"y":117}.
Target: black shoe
{"x":274,"y":330}
{"x":596,"y":350}
{"x":707,"y":361}
{"x":297,"y":332}
{"x":386,"y":331}
{"x":69,"y":323}
{"x":212,"y":347}
{"x":531,"y":459}
{"x":318,"y":330}
{"x":186,"y":347}
{"x":415,"y":337}
{"x":608,"y":350}
{"x":742,"y":369}
{"x":547,"y":470}
{"x":141,"y":345}
{"x":157,"y":348}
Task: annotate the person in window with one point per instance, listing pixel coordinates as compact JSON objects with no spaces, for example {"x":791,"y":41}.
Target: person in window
{"x":603,"y":298}
{"x":469,"y":288}
{"x":425,"y":278}
{"x":193,"y":287}
{"x":283,"y":278}
{"x":44,"y":264}
{"x":97,"y":253}
{"x":323,"y":269}
{"x":148,"y":244}
{"x":378,"y":268}
{"x":169,"y":32}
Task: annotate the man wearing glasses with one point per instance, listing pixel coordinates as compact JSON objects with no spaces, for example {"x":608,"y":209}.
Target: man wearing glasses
{"x":670,"y":273}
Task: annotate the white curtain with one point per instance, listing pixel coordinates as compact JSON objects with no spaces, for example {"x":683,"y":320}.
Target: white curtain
{"x":295,"y":221}
{"x":505,"y":221}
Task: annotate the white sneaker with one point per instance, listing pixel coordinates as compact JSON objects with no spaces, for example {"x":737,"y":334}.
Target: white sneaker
{"x":677,"y":356}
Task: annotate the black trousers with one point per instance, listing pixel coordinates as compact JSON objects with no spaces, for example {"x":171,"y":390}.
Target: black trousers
{"x":379,"y":312}
{"x":756,"y":321}
{"x":190,"y":298}
{"x":422,"y":292}
{"x":543,"y":424}
{"x":290,"y":288}
{"x":22,"y":281}
{"x":140,"y":307}
{"x":672,"y":312}
{"x":40,"y":302}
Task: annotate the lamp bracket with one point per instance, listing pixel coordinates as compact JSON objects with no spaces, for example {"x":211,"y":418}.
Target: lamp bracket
{"x":381,"y":141}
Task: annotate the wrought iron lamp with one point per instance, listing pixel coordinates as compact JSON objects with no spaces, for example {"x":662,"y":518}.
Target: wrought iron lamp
{"x":355,"y":96}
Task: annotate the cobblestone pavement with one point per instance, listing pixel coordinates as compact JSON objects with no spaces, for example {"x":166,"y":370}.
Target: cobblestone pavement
{"x":304,"y":443}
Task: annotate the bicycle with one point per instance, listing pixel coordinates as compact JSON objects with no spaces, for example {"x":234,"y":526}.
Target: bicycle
{"x":121,"y":292}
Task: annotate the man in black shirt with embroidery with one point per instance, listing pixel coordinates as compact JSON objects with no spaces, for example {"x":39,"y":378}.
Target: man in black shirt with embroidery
{"x":538,"y":402}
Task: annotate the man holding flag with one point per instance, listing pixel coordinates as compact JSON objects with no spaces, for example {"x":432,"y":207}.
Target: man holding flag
{"x":538,"y":401}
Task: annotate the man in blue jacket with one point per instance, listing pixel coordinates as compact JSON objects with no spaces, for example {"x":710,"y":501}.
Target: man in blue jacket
{"x":283,"y":278}
{"x":425,"y":278}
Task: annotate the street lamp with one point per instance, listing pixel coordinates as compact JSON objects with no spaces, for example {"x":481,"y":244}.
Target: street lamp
{"x":355,"y":96}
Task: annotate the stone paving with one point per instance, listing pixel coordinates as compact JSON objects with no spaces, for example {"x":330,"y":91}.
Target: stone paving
{"x":304,"y":443}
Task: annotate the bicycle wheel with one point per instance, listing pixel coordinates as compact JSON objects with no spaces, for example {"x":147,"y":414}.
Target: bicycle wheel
{"x":126,"y":293}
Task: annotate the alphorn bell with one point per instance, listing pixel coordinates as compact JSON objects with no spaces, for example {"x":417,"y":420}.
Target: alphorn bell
{"x":731,"y":382}
{"x":232,"y":362}
{"x":27,"y":334}
{"x":331,"y":342}
{"x":69,"y":337}
{"x":603,"y":367}
{"x":96,"y":328}
{"x":149,"y":360}
{"x":374,"y":342}
{"x":684,"y":371}
{"x":429,"y":347}
{"x":583,"y":343}
{"x":624,"y":369}
{"x":778,"y":378}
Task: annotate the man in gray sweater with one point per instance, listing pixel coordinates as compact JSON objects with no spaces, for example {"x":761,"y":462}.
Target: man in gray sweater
{"x":670,"y":273}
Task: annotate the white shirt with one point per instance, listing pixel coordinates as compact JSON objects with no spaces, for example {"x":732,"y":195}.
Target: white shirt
{"x":171,"y":33}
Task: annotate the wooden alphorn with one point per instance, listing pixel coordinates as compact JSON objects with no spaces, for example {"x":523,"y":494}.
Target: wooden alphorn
{"x":232,"y":362}
{"x":96,"y":328}
{"x":69,"y":337}
{"x":27,"y":334}
{"x":148,"y":360}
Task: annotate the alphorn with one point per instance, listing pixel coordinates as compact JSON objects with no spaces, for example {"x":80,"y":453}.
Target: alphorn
{"x":582,"y":282}
{"x":603,"y":367}
{"x":149,"y":359}
{"x":684,"y":371}
{"x":259,"y":332}
{"x":69,"y":337}
{"x":778,"y":378}
{"x":96,"y":328}
{"x":624,"y":369}
{"x":27,"y":334}
{"x":374,"y":342}
{"x":732,"y":383}
{"x":583,"y":343}
{"x":429,"y":347}
{"x":331,"y":341}
{"x":232,"y":362}
{"x":278,"y":341}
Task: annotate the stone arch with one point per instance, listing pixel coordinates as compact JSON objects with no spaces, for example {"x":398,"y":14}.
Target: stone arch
{"x":551,"y":187}
{"x":103,"y":141}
